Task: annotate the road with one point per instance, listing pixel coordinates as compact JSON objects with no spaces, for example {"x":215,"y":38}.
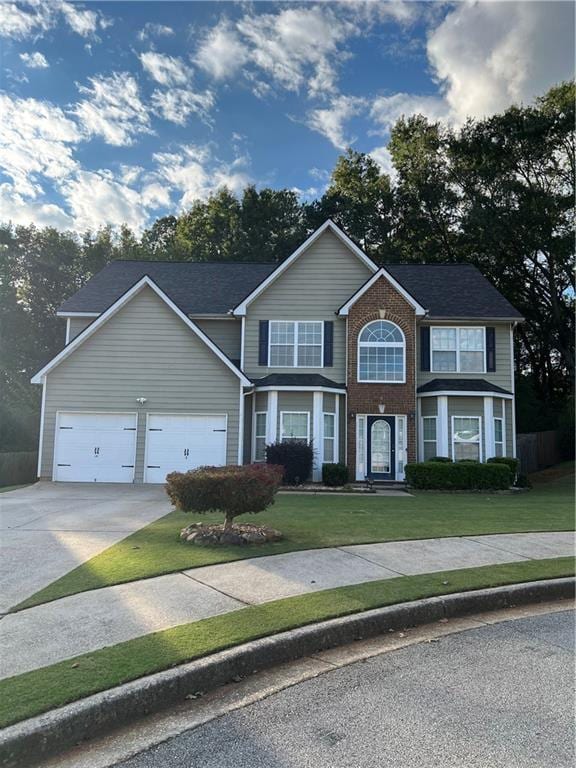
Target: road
{"x":496,"y":697}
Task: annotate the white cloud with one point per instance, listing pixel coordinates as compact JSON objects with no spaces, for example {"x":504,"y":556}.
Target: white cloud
{"x":36,"y":139}
{"x":16,"y":209}
{"x":165,"y":70}
{"x":384,"y":159}
{"x":221,"y":52}
{"x":386,"y":110}
{"x":154,"y":30}
{"x":156,"y":196}
{"x":177,"y":104}
{"x":195,"y":173}
{"x":35,"y":60}
{"x":488,"y":55}
{"x":331,"y":121}
{"x":25,"y":19}
{"x":113,"y":109}
{"x":95,"y":199}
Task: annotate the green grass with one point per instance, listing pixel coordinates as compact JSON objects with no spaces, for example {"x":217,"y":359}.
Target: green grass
{"x":310,"y":522}
{"x":38,"y":691}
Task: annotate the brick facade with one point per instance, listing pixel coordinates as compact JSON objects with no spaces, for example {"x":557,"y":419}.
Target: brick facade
{"x":381,"y":302}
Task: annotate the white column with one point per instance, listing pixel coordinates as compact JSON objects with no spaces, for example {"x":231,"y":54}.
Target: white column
{"x":442,"y":431}
{"x":272,"y":418}
{"x":317,"y":434}
{"x":241,"y":426}
{"x":336,"y":428}
{"x":489,"y":449}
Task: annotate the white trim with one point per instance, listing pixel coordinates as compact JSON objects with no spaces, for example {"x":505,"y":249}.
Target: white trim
{"x":111,"y":311}
{"x":503,"y":442}
{"x":208,"y":316}
{"x":489,"y":447}
{"x":179,"y":413}
{"x":418,"y":308}
{"x":442,"y":437}
{"x":296,"y":343}
{"x":398,"y":475}
{"x":504,"y":433}
{"x":241,"y":308}
{"x":513,"y":388}
{"x":67,"y":331}
{"x":377,"y":344}
{"x":255,"y":415}
{"x":296,"y":413}
{"x":457,"y":328}
{"x":334,"y":451}
{"x":242,"y":332}
{"x":296,"y":388}
{"x":336,"y":429}
{"x":41,"y":436}
{"x":479,"y":443}
{"x":361,"y":476}
{"x":272,"y":422}
{"x":99,"y":413}
{"x":240,"y":427}
{"x":318,"y":433}
{"x":466,"y":393}
{"x":78,"y":314}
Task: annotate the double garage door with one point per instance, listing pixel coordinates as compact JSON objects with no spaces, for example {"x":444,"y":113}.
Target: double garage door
{"x":101,"y":447}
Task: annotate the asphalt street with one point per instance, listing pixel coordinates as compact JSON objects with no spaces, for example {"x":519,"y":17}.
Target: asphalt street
{"x":499,"y":696}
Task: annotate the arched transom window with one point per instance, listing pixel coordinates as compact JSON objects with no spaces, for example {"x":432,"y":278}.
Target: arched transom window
{"x":381,"y":353}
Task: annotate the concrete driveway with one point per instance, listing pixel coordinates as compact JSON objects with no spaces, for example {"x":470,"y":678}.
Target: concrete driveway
{"x":47,"y":529}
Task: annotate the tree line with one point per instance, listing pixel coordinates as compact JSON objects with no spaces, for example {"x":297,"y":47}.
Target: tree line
{"x":497,"y":193}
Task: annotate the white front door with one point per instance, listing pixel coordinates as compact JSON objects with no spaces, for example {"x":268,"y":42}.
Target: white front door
{"x":95,"y":447}
{"x":179,"y":442}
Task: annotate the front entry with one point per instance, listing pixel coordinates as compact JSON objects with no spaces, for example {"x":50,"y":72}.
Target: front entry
{"x":381,"y":447}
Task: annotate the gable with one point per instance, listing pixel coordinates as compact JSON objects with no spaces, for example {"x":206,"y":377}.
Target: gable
{"x":377,"y":280}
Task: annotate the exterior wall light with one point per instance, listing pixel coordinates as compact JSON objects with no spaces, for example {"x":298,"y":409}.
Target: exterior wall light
{"x":381,"y":407}
{"x":140,"y":400}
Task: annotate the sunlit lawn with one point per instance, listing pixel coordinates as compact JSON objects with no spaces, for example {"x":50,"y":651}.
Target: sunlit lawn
{"x":309,"y":522}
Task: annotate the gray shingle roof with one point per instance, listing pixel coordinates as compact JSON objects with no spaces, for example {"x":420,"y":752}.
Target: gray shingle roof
{"x":297,"y":380}
{"x":461,"y":385}
{"x":195,"y":287}
{"x":452,"y":290}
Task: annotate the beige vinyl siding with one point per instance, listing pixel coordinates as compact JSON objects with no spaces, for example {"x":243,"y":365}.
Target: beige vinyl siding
{"x":314,"y":287}
{"x":144,"y":350}
{"x":261,"y":401}
{"x":77,"y":325}
{"x":466,"y":406}
{"x":428,"y":406}
{"x":224,"y":333}
{"x":329,"y":404}
{"x":501,"y":376}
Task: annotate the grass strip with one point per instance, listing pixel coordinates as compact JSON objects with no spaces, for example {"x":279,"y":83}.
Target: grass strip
{"x":310,"y":522}
{"x":32,"y":693}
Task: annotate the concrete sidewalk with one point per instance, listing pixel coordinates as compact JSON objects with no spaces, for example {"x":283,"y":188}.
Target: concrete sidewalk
{"x":81,"y":623}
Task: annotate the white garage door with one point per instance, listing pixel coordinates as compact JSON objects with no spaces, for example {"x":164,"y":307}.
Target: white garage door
{"x":179,"y":442}
{"x":95,"y":447}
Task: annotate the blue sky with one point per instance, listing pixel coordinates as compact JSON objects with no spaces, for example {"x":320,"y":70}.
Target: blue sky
{"x":117,"y":112}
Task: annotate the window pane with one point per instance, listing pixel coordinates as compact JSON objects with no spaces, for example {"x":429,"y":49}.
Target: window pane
{"x":295,"y":425}
{"x":467,"y":428}
{"x":471,"y":362}
{"x":472,"y":339}
{"x":429,"y":427}
{"x":281,"y":332}
{"x":498,"y":430}
{"x":328,"y":425}
{"x":466,"y":451}
{"x":260,"y":452}
{"x":383,"y":331}
{"x":260,"y":425}
{"x":309,"y":357}
{"x":444,"y":361}
{"x":382,"y":363}
{"x":499,"y":449}
{"x":380,"y":447}
{"x":309,"y":333}
{"x":328,"y":450}
{"x":360,"y":459}
{"x":429,"y":450}
{"x":282,"y":356}
{"x":444,"y":339}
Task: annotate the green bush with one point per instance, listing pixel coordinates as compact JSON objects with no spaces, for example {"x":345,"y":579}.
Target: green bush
{"x":231,"y":490}
{"x":334,"y":474}
{"x":510,"y":462}
{"x":460,"y":476}
{"x":296,"y":456}
{"x":441,"y":459}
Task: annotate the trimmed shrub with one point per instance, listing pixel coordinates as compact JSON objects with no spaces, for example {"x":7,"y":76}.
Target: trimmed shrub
{"x":296,"y":456}
{"x":231,"y":490}
{"x":441,"y":459}
{"x":508,"y":461}
{"x":459,"y":476}
{"x":334,"y":474}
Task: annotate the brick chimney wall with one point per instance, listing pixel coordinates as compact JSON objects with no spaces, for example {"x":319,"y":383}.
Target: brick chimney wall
{"x":381,"y":302}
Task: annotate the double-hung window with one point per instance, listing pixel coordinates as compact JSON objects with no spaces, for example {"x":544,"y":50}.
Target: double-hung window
{"x":458,"y":350}
{"x":429,"y":437}
{"x":295,"y":344}
{"x":466,"y":436}
{"x":329,"y":438}
{"x":294,"y":425}
{"x":260,"y":436}
{"x":381,"y":353}
{"x":499,"y":436}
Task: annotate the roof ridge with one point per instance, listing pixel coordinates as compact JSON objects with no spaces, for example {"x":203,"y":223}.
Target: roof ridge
{"x":187,"y":261}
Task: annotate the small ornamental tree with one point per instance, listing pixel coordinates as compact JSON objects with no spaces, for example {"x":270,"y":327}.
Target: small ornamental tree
{"x":231,"y":490}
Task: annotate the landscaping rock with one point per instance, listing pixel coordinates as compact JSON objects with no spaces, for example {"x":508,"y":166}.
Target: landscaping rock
{"x":205,"y":535}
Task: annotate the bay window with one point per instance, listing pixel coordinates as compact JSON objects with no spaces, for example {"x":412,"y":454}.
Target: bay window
{"x":294,"y":425}
{"x":295,"y":344}
{"x":260,"y":436}
{"x":458,"y":350}
{"x":498,"y":437}
{"x":466,"y":436}
{"x":429,"y":437}
{"x":329,"y":438}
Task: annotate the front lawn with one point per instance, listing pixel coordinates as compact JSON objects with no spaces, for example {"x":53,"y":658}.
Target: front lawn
{"x":310,"y":522}
{"x":40,"y":690}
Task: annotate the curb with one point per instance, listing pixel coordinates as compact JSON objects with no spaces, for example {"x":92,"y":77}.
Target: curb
{"x":48,"y":734}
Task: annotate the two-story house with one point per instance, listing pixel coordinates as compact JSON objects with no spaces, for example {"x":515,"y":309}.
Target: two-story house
{"x":170,"y":365}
